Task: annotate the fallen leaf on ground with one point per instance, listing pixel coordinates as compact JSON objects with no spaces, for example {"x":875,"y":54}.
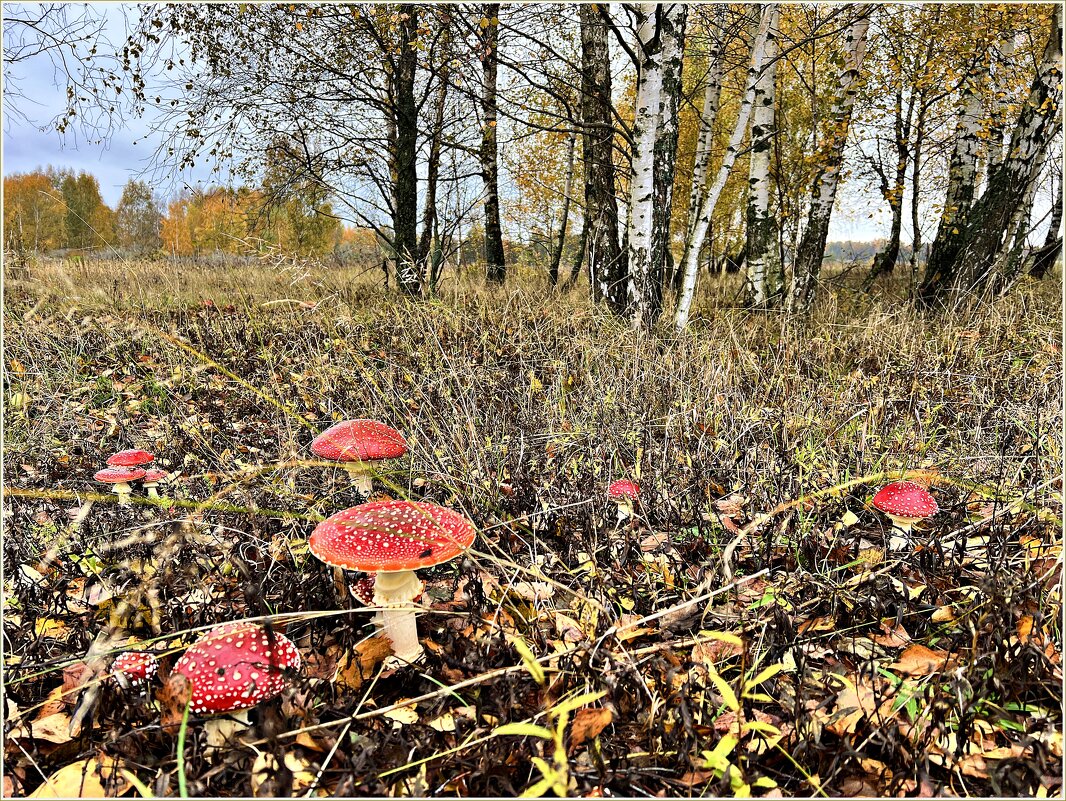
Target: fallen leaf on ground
{"x":173,"y":697}
{"x":357,"y":667}
{"x":402,"y":715}
{"x":918,"y":660}
{"x":266,"y":767}
{"x":587,"y":725}
{"x":54,"y":728}
{"x":99,"y":777}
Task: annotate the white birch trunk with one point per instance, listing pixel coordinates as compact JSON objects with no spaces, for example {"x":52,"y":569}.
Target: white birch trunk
{"x":763,"y":274}
{"x":811,"y":249}
{"x":642,"y":178}
{"x":962,"y":172}
{"x":996,"y":133}
{"x":712,"y":95}
{"x":696,"y":238}
{"x":673,"y":20}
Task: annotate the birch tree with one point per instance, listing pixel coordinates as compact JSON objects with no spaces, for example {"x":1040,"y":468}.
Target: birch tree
{"x":606,"y":261}
{"x":811,"y":249}
{"x":698,"y":235}
{"x":564,"y":214}
{"x":963,"y":261}
{"x":712,"y":95}
{"x":764,"y":275}
{"x":660,"y":35}
{"x":673,"y":33}
{"x":1046,"y":255}
{"x":962,"y":170}
{"x":495,"y":267}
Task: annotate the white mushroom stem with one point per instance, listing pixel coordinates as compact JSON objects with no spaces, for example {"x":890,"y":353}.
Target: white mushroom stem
{"x":123,"y":491}
{"x":395,"y":593}
{"x":904,"y":524}
{"x":150,"y":486}
{"x":361,"y":474}
{"x":625,"y":509}
{"x":901,"y":525}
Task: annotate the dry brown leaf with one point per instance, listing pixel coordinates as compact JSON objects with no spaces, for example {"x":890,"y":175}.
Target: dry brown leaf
{"x":917,"y":660}
{"x":697,"y":777}
{"x":307,"y":741}
{"x":357,"y":667}
{"x":587,"y":725}
{"x":712,"y":652}
{"x":54,"y":728}
{"x":1025,"y":628}
{"x":173,"y":697}
{"x":266,"y":767}
{"x":731,"y":505}
{"x":319,"y":664}
{"x":532,"y":591}
{"x":817,"y":624}
{"x":99,"y":777}
{"x":895,"y":636}
{"x":943,"y":614}
{"x":853,"y":703}
{"x":654,"y":541}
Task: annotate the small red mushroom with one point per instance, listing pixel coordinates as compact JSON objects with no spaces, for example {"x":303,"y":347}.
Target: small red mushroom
{"x":626,"y":494}
{"x":392,"y":539}
{"x":357,"y":443}
{"x":134,"y":666}
{"x":130,"y":458}
{"x":120,"y":478}
{"x":904,"y":503}
{"x":151,"y":480}
{"x":236,"y":666}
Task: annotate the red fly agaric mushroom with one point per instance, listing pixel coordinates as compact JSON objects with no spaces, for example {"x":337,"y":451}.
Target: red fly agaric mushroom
{"x":134,"y":666}
{"x":120,"y":477}
{"x":392,"y":539}
{"x":357,"y":443}
{"x":151,"y":480}
{"x":130,"y":458}
{"x":904,"y":503}
{"x":236,"y":666}
{"x":625,"y":493}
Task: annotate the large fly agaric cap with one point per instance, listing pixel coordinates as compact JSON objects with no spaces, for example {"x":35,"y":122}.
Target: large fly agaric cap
{"x":359,"y":441}
{"x":130,"y":458}
{"x":905,"y":499}
{"x":135,"y":665}
{"x":236,"y":666}
{"x":391,"y":536}
{"x":623,"y":489}
{"x":119,"y":475}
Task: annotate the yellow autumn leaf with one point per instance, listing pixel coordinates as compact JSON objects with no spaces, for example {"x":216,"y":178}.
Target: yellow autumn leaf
{"x":99,"y":777}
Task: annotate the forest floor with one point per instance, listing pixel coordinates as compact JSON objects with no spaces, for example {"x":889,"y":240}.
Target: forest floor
{"x":746,"y":632}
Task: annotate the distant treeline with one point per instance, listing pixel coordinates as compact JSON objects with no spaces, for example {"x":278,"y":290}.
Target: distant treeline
{"x":55,"y":209}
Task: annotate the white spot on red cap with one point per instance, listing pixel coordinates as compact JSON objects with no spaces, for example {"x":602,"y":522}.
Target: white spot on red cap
{"x":119,"y":475}
{"x":237,"y":677}
{"x":136,"y":665}
{"x":359,"y":441}
{"x":623,"y":489}
{"x":391,"y":536}
{"x":905,"y":499}
{"x":130,"y":458}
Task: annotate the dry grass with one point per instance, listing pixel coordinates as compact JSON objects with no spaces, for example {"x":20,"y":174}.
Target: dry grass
{"x":520,"y":407}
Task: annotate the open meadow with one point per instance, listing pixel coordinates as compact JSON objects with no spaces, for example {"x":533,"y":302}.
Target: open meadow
{"x":748,"y":629}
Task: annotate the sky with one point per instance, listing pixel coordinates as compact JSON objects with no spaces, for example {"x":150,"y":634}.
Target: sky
{"x":128,"y":152}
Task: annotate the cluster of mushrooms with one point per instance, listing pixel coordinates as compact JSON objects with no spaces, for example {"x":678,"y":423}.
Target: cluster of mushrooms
{"x":237,"y":665}
{"x":124,"y":468}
